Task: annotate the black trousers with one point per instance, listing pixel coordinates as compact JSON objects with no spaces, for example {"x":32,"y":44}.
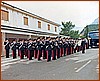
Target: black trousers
{"x":64,"y":51}
{"x":69,"y":50}
{"x":7,"y":53}
{"x":26,"y":52}
{"x":44,"y":54}
{"x":35,"y":53}
{"x":21,"y":54}
{"x":30,"y":54}
{"x":39,"y":54}
{"x":83,"y":49}
{"x":58,"y":53}
{"x":49,"y":53}
{"x":14,"y":54}
{"x":54,"y":54}
{"x":74,"y":50}
{"x":78,"y":48}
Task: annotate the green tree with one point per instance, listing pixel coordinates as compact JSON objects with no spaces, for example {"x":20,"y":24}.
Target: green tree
{"x":67,"y":26}
{"x":67,"y":30}
{"x":74,"y":34}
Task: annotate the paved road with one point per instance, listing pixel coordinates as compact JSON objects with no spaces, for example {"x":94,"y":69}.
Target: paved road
{"x":73,"y":67}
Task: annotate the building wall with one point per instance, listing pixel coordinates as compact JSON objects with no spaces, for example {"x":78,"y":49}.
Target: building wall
{"x":16,"y":19}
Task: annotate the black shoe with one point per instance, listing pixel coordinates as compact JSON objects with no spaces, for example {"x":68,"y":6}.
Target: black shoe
{"x":44,"y":58}
{"x":39,"y":60}
{"x":14,"y":58}
{"x":48,"y":60}
{"x":30,"y":59}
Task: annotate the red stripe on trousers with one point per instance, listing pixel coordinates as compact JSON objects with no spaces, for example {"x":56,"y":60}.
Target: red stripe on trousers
{"x":20,"y":54}
{"x":38,"y":54}
{"x":66,"y":50}
{"x":77,"y":47}
{"x":43,"y":53}
{"x":52,"y":54}
{"x":60,"y":52}
{"x":57,"y":52}
{"x":47,"y":55}
{"x":28,"y":53}
{"x":35,"y":54}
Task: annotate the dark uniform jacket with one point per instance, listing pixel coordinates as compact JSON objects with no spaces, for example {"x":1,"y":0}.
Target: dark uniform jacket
{"x":30,"y":46}
{"x":48,"y":45}
{"x":26,"y":45}
{"x":13,"y":46}
{"x":53,"y":45}
{"x":43,"y":46}
{"x":72,"y":43}
{"x":7,"y":45}
{"x":65,"y":44}
{"x":60,"y":44}
{"x":21,"y":46}
{"x":39,"y":45}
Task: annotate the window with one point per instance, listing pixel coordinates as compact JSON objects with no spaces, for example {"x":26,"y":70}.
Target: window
{"x":25,"y":21}
{"x":48,"y":27}
{"x":4,"y":15}
{"x":39,"y":24}
{"x":55,"y":29}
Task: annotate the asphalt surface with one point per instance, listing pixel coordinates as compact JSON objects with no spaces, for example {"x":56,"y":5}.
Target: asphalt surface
{"x":77,"y":66}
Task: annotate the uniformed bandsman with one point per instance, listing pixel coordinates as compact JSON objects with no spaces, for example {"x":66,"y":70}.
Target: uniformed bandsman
{"x":7,"y":47}
{"x":43,"y":48}
{"x":14,"y":48}
{"x":79,"y":45}
{"x":53,"y":49}
{"x":57,"y":47}
{"x":83,"y":45}
{"x":65,"y":46}
{"x":38,"y":47}
{"x":48,"y":44}
{"x":26,"y":48}
{"x":30,"y":49}
{"x":18,"y":44}
{"x":68,"y":46}
{"x":21,"y":49}
{"x":61,"y":47}
{"x":34,"y":47}
{"x":72,"y":46}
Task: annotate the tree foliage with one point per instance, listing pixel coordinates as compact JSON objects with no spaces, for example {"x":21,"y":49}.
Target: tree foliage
{"x":67,"y":26}
{"x":67,"y":30}
{"x":74,"y":34}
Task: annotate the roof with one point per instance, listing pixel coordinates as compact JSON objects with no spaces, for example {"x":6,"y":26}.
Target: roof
{"x":38,"y":17}
{"x":94,"y":31}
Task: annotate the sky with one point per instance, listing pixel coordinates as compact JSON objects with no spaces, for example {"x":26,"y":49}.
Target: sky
{"x":80,"y":13}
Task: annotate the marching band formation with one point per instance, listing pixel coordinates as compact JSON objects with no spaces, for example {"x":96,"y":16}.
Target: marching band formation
{"x":45,"y":47}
